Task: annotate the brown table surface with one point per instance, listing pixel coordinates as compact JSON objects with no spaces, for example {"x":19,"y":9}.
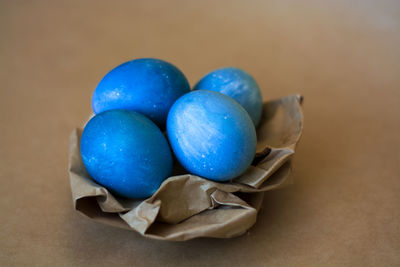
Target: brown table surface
{"x":342,"y":56}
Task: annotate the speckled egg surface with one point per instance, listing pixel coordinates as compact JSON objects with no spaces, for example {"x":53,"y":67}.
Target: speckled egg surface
{"x":126,"y":152}
{"x":237,"y":84}
{"x":148,"y":86}
{"x":211,"y":135}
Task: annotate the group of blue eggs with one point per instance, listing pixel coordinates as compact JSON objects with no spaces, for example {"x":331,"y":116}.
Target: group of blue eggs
{"x":210,"y":130}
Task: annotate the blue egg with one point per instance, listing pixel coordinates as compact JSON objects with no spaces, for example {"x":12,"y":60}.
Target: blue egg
{"x":211,"y":135}
{"x":148,"y":86}
{"x":237,"y":84}
{"x":126,"y":152}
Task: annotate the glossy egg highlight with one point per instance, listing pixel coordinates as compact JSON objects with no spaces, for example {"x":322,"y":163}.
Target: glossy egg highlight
{"x":237,"y":84}
{"x":211,"y":135}
{"x":149,"y":86}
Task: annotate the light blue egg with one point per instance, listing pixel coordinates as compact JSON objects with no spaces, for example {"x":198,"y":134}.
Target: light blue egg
{"x":211,"y":135}
{"x":126,"y":152}
{"x":237,"y":84}
{"x":148,"y":86}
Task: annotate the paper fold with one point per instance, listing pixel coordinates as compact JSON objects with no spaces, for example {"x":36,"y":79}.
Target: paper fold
{"x":187,"y":206}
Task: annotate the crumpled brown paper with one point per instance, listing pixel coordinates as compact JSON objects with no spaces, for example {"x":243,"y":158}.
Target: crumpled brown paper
{"x":187,"y":206}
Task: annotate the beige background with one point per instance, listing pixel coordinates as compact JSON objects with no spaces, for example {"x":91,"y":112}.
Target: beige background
{"x":343,"y":56}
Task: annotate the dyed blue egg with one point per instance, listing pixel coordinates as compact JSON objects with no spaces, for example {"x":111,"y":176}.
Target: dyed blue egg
{"x":211,"y":135}
{"x":237,"y":84}
{"x":148,"y":86}
{"x":126,"y":152}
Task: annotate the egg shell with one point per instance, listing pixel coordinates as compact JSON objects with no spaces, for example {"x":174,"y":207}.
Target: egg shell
{"x":148,"y":86}
{"x":126,"y":152}
{"x":211,"y":135}
{"x":237,"y":84}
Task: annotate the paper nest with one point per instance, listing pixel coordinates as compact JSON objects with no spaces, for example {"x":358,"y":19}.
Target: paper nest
{"x":188,"y":206}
